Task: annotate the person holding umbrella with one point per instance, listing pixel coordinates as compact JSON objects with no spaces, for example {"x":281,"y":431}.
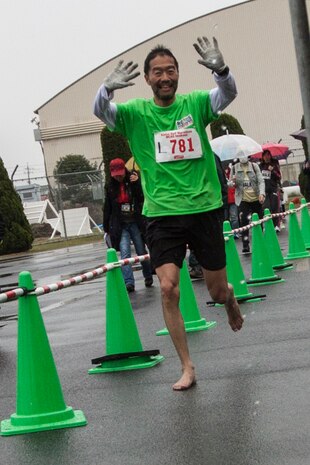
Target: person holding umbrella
{"x":249,"y":194}
{"x":270,"y":169}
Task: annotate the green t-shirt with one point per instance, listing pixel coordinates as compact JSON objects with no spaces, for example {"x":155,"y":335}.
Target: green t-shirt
{"x":186,"y":185}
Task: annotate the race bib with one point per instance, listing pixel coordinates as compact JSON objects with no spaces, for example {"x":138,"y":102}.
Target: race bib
{"x":177,"y":145}
{"x":266,"y":174}
{"x":125,"y":207}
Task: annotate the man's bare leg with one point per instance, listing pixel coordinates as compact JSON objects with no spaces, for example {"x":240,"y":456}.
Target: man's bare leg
{"x":169,"y":277}
{"x":222,"y":292}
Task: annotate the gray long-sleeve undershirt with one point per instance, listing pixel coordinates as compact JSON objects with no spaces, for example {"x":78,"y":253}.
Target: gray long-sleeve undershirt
{"x":220,"y":96}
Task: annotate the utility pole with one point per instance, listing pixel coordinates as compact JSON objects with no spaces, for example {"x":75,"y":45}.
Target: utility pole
{"x":300,"y":26}
{"x":12,"y":175}
{"x":59,"y":196}
{"x":28,"y":173}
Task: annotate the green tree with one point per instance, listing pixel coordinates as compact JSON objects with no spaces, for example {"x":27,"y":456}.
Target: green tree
{"x":225,"y":124}
{"x":71,"y":175}
{"x":17,"y":235}
{"x":113,"y":145}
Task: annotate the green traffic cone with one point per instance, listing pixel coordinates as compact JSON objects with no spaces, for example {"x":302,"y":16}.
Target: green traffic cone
{"x":272,"y":244}
{"x":305,"y":223}
{"x":188,"y":306}
{"x":235,"y":275}
{"x":123,"y":344}
{"x":40,"y":404}
{"x":262,"y":271}
{"x":296,"y":244}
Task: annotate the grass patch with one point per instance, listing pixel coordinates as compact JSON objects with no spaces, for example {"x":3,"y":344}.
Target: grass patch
{"x":44,"y":244}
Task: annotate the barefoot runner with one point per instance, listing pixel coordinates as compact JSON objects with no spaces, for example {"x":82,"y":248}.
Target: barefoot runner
{"x":181,"y":188}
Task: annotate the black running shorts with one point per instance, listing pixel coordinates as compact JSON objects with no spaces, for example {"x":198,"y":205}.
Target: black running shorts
{"x":169,"y":236}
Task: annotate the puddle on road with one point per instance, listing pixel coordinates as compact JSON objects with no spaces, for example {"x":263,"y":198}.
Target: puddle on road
{"x":52,"y":306}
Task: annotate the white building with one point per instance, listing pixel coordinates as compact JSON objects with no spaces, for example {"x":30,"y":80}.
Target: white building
{"x":257,"y":43}
{"x":29,"y":192}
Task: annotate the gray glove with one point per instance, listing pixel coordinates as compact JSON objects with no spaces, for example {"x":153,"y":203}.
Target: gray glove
{"x":121,"y":76}
{"x":211,"y":55}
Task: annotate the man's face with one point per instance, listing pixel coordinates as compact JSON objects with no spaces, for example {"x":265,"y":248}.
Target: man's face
{"x":119,"y":177}
{"x":163,"y":78}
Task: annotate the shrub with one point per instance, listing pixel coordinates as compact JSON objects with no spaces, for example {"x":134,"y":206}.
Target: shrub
{"x":16,"y":230}
{"x":225,"y":123}
{"x":113,"y":145}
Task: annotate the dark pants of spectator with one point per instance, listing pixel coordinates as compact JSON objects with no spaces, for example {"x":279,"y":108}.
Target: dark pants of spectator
{"x":246,"y":209}
{"x":273,"y":205}
{"x":231,"y":215}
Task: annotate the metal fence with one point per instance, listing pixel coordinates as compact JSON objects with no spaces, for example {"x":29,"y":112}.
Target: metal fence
{"x":66,"y":192}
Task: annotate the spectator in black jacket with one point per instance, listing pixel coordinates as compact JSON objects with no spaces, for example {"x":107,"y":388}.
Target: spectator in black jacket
{"x":123,"y":221}
{"x":270,"y":169}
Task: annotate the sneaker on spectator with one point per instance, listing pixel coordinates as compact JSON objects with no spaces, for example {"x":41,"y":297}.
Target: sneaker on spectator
{"x":148,"y":282}
{"x":196,"y":272}
{"x":246,"y":245}
{"x":130,"y":288}
{"x":246,"y":249}
{"x":277,"y":229}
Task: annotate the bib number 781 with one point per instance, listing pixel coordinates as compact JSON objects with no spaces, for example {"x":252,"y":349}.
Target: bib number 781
{"x":182,"y":145}
{"x":177,"y":145}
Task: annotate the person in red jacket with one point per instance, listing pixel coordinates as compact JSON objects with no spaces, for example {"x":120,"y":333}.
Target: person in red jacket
{"x":123,"y":220}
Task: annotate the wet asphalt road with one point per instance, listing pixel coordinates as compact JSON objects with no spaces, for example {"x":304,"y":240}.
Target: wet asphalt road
{"x":251,"y":405}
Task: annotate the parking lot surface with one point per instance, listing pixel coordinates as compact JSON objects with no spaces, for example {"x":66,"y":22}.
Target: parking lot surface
{"x":251,"y":404}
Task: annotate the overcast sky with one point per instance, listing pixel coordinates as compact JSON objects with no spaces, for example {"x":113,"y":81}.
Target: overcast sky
{"x":48,"y":44}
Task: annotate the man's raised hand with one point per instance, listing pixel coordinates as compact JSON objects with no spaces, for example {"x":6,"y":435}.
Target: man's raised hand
{"x":211,"y":56}
{"x":121,"y":76}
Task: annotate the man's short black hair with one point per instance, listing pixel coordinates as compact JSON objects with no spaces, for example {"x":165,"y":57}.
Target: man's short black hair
{"x":158,"y":50}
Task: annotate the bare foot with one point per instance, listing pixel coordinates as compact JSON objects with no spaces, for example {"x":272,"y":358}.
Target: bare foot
{"x":235,"y":319}
{"x":187,"y":380}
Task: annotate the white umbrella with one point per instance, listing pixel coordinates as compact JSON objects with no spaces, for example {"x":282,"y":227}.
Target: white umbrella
{"x":233,"y":146}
